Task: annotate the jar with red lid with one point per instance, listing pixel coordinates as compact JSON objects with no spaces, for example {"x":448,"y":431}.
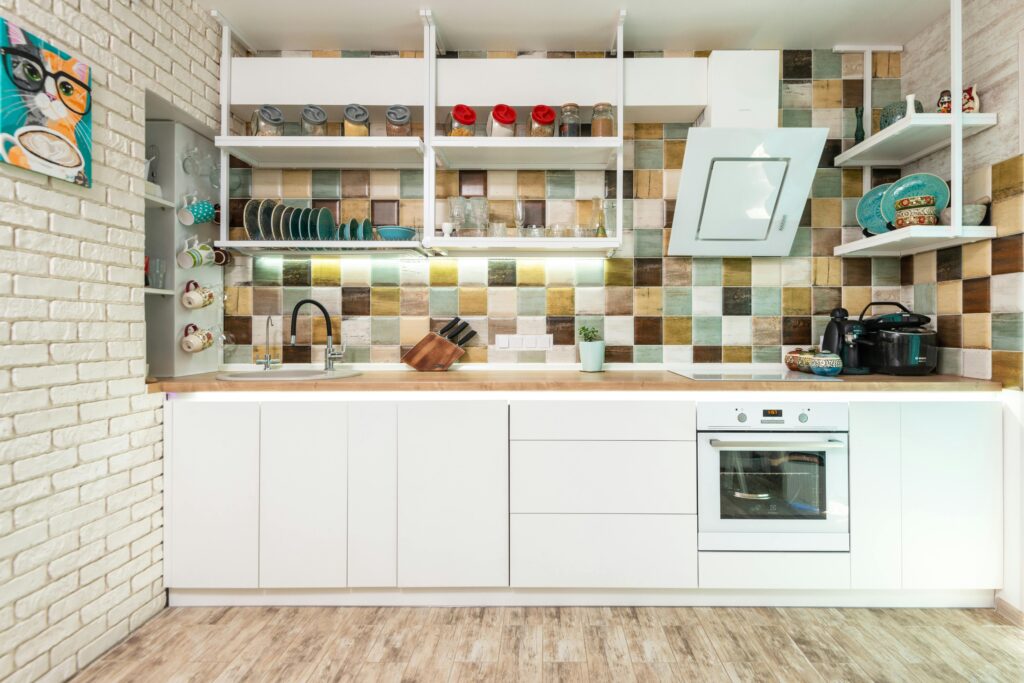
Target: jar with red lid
{"x":501,"y":122}
{"x":462,"y":121}
{"x":542,"y":122}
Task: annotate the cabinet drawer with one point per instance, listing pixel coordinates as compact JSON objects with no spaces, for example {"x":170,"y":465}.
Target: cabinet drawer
{"x":797,"y":571}
{"x":603,"y":477}
{"x":603,"y":551}
{"x":601,"y":420}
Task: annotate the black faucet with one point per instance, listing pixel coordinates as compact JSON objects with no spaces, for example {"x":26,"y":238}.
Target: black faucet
{"x":330,"y":355}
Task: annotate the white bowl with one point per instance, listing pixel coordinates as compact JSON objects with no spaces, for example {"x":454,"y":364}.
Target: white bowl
{"x":974,"y":214}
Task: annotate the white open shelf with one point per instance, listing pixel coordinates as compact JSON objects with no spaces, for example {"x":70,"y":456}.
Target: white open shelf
{"x":152,"y":201}
{"x":914,"y":240}
{"x":326,"y":247}
{"x":910,"y":139}
{"x":158,"y":292}
{"x":526,"y":153}
{"x":521,"y":246}
{"x":296,"y":151}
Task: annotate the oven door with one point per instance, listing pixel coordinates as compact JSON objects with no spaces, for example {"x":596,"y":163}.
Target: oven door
{"x":773,"y":491}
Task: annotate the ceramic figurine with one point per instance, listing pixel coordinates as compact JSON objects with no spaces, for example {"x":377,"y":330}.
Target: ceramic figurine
{"x":971,"y":100}
{"x":858,"y":135}
{"x":945,"y":103}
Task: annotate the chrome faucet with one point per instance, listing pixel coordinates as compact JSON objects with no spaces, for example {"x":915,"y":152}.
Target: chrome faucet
{"x":330,"y":355}
{"x":267,"y":362}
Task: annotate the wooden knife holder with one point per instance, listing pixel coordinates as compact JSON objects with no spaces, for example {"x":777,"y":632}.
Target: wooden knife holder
{"x":433,"y":353}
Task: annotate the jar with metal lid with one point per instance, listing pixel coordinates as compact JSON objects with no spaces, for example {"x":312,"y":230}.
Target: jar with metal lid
{"x":357,"y":120}
{"x":571,"y":122}
{"x":501,"y":122}
{"x":462,"y":121}
{"x":267,"y":121}
{"x":602,"y":124}
{"x":314,"y":120}
{"x":399,"y":121}
{"x":542,"y":121}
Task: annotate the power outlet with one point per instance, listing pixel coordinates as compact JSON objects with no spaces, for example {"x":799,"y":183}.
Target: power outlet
{"x":524,"y":342}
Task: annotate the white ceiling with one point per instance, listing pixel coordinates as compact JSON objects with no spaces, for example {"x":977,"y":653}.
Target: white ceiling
{"x":577,"y":24}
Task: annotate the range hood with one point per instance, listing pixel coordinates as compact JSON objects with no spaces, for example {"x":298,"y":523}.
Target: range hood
{"x":743,"y":190}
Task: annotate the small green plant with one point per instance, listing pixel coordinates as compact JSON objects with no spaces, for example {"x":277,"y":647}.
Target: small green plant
{"x":589,"y":334}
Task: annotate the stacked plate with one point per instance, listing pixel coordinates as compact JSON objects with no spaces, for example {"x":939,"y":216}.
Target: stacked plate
{"x":876,"y":211}
{"x":267,"y":219}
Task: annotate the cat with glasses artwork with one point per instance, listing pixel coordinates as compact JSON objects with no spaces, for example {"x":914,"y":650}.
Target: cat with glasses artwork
{"x":45,"y":105}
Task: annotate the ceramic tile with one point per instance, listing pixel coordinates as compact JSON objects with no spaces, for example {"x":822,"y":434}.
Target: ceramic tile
{"x":707,"y":331}
{"x":827,"y":272}
{"x":676,"y":131}
{"x":796,"y":272}
{"x":241,"y":182}
{"x":884,"y":91}
{"x":797,"y":63}
{"x":355,"y":208}
{"x":677,"y":330}
{"x":414,"y":271}
{"x":824,"y":241}
{"x":853,"y":92}
{"x":853,"y":65}
{"x":446,"y":184}
{"x":501,"y":273}
{"x":444,"y":272}
{"x":674,"y":152}
{"x":949,"y":297}
{"x":501,"y":184}
{"x":977,"y":363}
{"x":1008,"y":215}
{"x":977,"y":259}
{"x":648,"y":213}
{"x":648,"y":154}
{"x":736,"y":331}
{"x":531,"y":184}
{"x":414,"y":301}
{"x":472,"y":271}
{"x":950,"y":331}
{"x":857,"y":272}
{"x":561,"y":301}
{"x":796,"y":94}
{"x":827,"y":94}
{"x":977,"y":330}
{"x":1008,"y":254}
{"x":707,"y":354}
{"x":266,"y":183}
{"x":647,"y":330}
{"x":678,"y":270}
{"x":824,"y":299}
{"x":796,"y":118}
{"x":444,"y":302}
{"x":925,"y":267}
{"x":532,"y":301}
{"x":560,"y":185}
{"x":647,"y":131}
{"x":648,"y":272}
{"x":948,"y":264}
{"x":736,"y":301}
{"x":472,"y":301}
{"x":976,"y":295}
{"x":560,"y":212}
{"x":648,"y":301}
{"x":647,"y":184}
{"x":618,"y":330}
{"x":590,"y":301}
{"x":677,"y":301}
{"x":707,"y":301}
{"x":411,"y":184}
{"x":355,"y":184}
{"x":296,"y":184}
{"x":1007,"y":368}
{"x":618,"y":300}
{"x":827,"y":183}
{"x":766,"y":300}
{"x":886,"y":64}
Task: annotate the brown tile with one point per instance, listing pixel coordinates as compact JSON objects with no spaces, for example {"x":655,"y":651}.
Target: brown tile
{"x":355,"y":301}
{"x":584,"y":212}
{"x":472,"y":301}
{"x":647,"y":301}
{"x":618,"y":271}
{"x":1008,"y":254}
{"x":907,"y":270}
{"x":647,"y":331}
{"x":855,"y":299}
{"x":976,"y":330}
{"x":446,"y":184}
{"x":561,"y":301}
{"x":796,"y":301}
{"x":827,"y":94}
{"x":853,"y":93}
{"x":267,"y":301}
{"x":678,"y":270}
{"x":648,"y":131}
{"x":531,"y":184}
{"x":1008,"y":178}
{"x":678,"y":331}
{"x":736,"y":272}
{"x":853,"y":182}
{"x":675,"y":151}
{"x":562,"y":328}
{"x":648,"y":272}
{"x":856,"y":272}
{"x":647,"y":184}
{"x":414,"y":301}
{"x":976,"y":295}
{"x":238,"y":301}
{"x":618,"y":300}
{"x":736,"y":354}
{"x":796,"y":330}
{"x":825,"y":240}
{"x":736,"y":301}
{"x":949,"y":331}
{"x":238,"y":329}
{"x":535,"y":211}
{"x":355,"y":184}
{"x":501,"y":211}
{"x":885,"y":65}
{"x":496,"y":326}
{"x":355,"y":208}
{"x":977,"y":259}
{"x":948,"y":264}
{"x":473,"y":183}
{"x":319,"y":326}
{"x":826,"y":213}
{"x":1008,"y":368}
{"x":618,"y":354}
{"x":824,"y":299}
{"x":707,"y":354}
{"x":410,"y":212}
{"x":297,"y":354}
{"x":767,"y":330}
{"x":384,"y":212}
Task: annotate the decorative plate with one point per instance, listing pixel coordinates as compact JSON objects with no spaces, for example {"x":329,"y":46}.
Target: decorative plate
{"x":266,"y":212}
{"x":286,"y":222}
{"x":325,"y":225}
{"x":294,"y":225}
{"x":251,"y":219}
{"x":304,"y":224}
{"x":916,"y":185}
{"x":869,"y":211}
{"x":275,"y":222}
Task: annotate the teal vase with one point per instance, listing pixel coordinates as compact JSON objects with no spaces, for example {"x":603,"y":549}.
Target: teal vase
{"x":858,"y":135}
{"x":592,"y":356}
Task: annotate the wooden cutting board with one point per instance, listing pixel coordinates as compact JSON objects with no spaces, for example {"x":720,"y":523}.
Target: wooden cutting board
{"x":433,"y":353}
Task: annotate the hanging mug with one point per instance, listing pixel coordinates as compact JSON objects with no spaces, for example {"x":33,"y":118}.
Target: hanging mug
{"x":222,"y":257}
{"x":195,"y":254}
{"x":197,"y":296}
{"x":195,"y":339}
{"x":195,"y":211}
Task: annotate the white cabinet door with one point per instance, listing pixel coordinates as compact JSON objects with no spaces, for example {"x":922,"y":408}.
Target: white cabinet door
{"x":302,"y":494}
{"x":603,"y":420}
{"x":213,"y":494}
{"x":372,"y":495}
{"x":875,"y":496}
{"x":453,"y":494}
{"x":951,"y":473}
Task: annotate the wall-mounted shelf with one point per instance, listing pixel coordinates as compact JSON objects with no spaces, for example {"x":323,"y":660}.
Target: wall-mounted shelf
{"x":914,"y":240}
{"x":154,"y":202}
{"x":158,"y":292}
{"x":521,"y":246}
{"x":910,"y":139}
{"x":324,"y":248}
{"x":324,"y":152}
{"x":526,"y":153}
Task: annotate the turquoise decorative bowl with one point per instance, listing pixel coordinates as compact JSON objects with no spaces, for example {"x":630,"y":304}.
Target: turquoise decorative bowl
{"x":916,"y":185}
{"x":869,"y":211}
{"x":826,"y":364}
{"x":396,"y":233}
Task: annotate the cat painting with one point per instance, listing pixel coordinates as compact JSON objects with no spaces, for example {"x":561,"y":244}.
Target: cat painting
{"x":45,"y":107}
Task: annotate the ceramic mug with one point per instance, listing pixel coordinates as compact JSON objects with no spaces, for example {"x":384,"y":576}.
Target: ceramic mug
{"x":195,"y":339}
{"x":221,"y":257}
{"x":197,"y":296}
{"x":195,"y":254}
{"x":195,"y":211}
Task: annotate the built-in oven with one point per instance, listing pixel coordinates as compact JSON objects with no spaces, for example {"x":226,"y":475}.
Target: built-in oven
{"x":773,"y":477}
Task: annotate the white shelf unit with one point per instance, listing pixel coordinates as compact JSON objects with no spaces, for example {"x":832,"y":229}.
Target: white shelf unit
{"x":914,"y":240}
{"x":911,"y":138}
{"x":518,"y":246}
{"x":324,"y":248}
{"x":154,"y":202}
{"x":158,"y":292}
{"x":526,"y":153}
{"x":324,"y":152}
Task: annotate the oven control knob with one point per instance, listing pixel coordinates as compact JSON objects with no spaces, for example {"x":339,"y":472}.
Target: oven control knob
{"x":742,"y":417}
{"x":803,"y":417}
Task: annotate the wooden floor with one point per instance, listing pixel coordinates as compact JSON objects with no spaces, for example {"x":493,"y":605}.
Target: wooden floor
{"x":566,"y":644}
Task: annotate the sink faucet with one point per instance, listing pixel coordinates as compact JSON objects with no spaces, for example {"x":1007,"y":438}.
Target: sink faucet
{"x":331,"y":355}
{"x":267,"y":362}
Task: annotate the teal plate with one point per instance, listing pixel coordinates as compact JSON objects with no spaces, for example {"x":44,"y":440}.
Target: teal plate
{"x":294,"y":224}
{"x":869,"y":211}
{"x":325,"y":225}
{"x":304,"y":224}
{"x":917,"y":185}
{"x":366,"y":230}
{"x":286,"y":223}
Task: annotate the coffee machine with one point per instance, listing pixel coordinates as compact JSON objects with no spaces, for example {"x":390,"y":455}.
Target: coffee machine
{"x":846,"y":338}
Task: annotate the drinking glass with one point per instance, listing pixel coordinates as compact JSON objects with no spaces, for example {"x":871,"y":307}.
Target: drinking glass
{"x":520,"y":214}
{"x":497,"y":229}
{"x":157,"y":270}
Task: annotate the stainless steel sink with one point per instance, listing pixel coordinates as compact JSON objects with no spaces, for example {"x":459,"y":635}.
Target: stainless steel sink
{"x":284,"y":375}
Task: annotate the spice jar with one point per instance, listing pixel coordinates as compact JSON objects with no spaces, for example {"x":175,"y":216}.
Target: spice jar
{"x":399,"y":121}
{"x":462,"y":121}
{"x":501,"y":122}
{"x":357,"y":120}
{"x":542,"y":121}
{"x":602,"y":125}
{"x":267,"y":121}
{"x":314,"y":120}
{"x":571,"y":122}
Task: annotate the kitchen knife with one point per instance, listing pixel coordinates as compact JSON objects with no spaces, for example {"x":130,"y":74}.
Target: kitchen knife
{"x":462,"y":342}
{"x":456,"y":332}
{"x":449,"y":326}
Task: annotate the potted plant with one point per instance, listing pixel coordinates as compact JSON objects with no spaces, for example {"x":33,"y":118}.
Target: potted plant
{"x":591,"y":350}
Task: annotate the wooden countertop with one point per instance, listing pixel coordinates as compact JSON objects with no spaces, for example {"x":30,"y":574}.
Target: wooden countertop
{"x":538,"y":380}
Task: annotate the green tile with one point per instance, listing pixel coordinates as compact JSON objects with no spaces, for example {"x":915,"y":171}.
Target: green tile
{"x":707,"y":272}
{"x":298,"y":203}
{"x":595,"y":321}
{"x":237,"y":353}
{"x":849,"y":212}
{"x":818,"y":324}
{"x":531,"y":357}
{"x":627,"y":213}
{"x":589,"y":273}
{"x":801,"y":243}
{"x":677,"y":131}
{"x":766,"y":354}
{"x":950,"y":362}
{"x":826,"y":64}
{"x":885,"y":91}
{"x":1008,"y":331}
{"x":707,"y":331}
{"x":561,"y":185}
{"x":384,"y":331}
{"x":293,"y":295}
{"x":357,"y":354}
{"x":885,"y":272}
{"x":296,"y":272}
{"x":326,"y":184}
{"x":647,"y":354}
{"x":266,"y":271}
{"x":444,"y":302}
{"x":766,"y":301}
{"x":411,"y":184}
{"x":677,"y":301}
{"x":501,"y":273}
{"x":796,"y":118}
{"x":532,"y":301}
{"x":384,"y":272}
{"x":849,"y":122}
{"x":241,"y":182}
{"x":648,"y":243}
{"x":355,"y":53}
{"x":828,"y":182}
{"x":291,"y":128}
{"x":924,"y":299}
{"x":648,"y":154}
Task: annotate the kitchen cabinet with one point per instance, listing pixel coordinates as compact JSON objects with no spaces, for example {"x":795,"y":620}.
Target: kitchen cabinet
{"x":603,"y":420}
{"x":372,"y":495}
{"x":302,"y":503}
{"x":453,"y":494}
{"x":212,"y":506}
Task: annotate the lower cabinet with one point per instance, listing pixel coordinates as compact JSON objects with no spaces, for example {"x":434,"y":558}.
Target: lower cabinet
{"x":775,"y":571}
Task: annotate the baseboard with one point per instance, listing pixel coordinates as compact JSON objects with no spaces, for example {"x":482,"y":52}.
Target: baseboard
{"x":1009,"y":612}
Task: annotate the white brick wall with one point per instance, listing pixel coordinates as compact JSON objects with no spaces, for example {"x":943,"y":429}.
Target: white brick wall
{"x":80,"y":440}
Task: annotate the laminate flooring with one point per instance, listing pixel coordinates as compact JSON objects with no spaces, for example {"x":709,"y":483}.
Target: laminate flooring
{"x":577,"y":644}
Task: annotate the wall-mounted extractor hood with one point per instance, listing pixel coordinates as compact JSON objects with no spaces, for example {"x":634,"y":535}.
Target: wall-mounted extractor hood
{"x":743,"y":190}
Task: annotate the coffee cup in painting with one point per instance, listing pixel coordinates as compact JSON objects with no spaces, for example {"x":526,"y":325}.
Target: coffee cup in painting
{"x":46,"y":150}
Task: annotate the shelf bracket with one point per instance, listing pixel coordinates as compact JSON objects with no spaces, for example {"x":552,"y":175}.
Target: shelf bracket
{"x":427,"y":19}
{"x":618,"y":31}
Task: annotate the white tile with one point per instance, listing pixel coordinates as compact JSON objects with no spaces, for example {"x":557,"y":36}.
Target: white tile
{"x":628,"y":248}
{"x":561,"y":354}
{"x":707,"y":300}
{"x":796,"y":271}
{"x":618,"y":330}
{"x":531,"y":324}
{"x":589,"y":184}
{"x":413,"y":271}
{"x":560,"y":272}
{"x":977,"y":363}
{"x":765,"y":271}
{"x":736,"y":330}
{"x":501,"y":302}
{"x":560,"y":212}
{"x":384,"y":184}
{"x":501,"y":184}
{"x":677,"y":354}
{"x":356,"y":331}
{"x":472,"y":272}
{"x":648,"y":213}
{"x":589,"y":300}
{"x":355,"y":271}
{"x":670,"y":183}
{"x":1007,"y":293}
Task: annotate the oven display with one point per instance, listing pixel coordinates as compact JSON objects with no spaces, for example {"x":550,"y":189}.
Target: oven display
{"x":774,"y":412}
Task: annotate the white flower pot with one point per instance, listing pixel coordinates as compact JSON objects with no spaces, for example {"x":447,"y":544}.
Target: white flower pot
{"x":592,"y":356}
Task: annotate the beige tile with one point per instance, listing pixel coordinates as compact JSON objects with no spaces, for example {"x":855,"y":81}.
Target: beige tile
{"x":647,"y":301}
{"x":531,"y":184}
{"x":501,"y":302}
{"x":384,"y":184}
{"x":411,"y":330}
{"x":856,"y":298}
{"x":1008,"y":215}
{"x":266,"y":183}
{"x":977,"y":259}
{"x":410,"y":213}
{"x":297,"y":184}
{"x":924,"y":268}
{"x":949,"y":297}
{"x":827,"y":271}
{"x":647,"y":184}
{"x":501,"y":184}
{"x":977,"y":330}
{"x":853,"y":65}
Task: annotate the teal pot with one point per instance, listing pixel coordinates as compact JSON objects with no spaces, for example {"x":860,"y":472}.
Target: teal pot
{"x":592,"y":356}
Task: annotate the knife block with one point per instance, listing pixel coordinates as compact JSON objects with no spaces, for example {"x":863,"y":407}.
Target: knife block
{"x":433,"y":353}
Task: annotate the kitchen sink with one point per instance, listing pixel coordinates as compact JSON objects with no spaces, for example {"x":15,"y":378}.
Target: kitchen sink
{"x":284,"y":375}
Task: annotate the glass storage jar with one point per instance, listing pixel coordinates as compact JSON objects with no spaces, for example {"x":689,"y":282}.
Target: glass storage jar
{"x":602,"y":124}
{"x":399,"y":121}
{"x":314,"y":120}
{"x":542,"y":122}
{"x":462,"y":121}
{"x":267,"y":121}
{"x":571,"y":122}
{"x":501,"y":122}
{"x":357,"y":120}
